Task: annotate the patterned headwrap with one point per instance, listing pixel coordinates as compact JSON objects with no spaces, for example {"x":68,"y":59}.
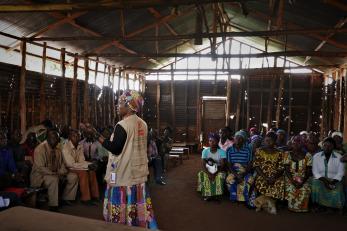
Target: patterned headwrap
{"x":241,"y":133}
{"x":253,"y":129}
{"x":298,"y":140}
{"x":255,"y":138}
{"x":214,"y":136}
{"x":280,"y":131}
{"x":133,"y":99}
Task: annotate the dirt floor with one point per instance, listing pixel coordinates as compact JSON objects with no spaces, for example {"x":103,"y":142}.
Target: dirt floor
{"x":177,"y":206}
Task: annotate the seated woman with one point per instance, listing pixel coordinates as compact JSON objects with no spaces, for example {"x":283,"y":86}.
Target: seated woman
{"x":298,"y":167}
{"x":328,"y":171}
{"x":210,"y":184}
{"x":224,"y":142}
{"x":239,"y":159}
{"x":268,"y":164}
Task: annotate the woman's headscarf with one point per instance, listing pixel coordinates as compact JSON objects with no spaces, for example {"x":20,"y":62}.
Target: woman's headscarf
{"x":133,"y":99}
{"x":214,"y":136}
{"x":255,"y":138}
{"x":298,"y":140}
{"x":271,"y":135}
{"x":281,"y":131}
{"x":241,"y":133}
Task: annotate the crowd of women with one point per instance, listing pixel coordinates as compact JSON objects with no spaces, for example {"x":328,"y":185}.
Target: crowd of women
{"x":301,"y":173}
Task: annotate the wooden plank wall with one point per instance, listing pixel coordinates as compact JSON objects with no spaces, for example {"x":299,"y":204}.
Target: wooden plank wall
{"x":9,"y":92}
{"x":186,"y":112}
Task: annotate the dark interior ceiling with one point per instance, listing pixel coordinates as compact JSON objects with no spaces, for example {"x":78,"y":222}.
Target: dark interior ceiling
{"x":244,"y":15}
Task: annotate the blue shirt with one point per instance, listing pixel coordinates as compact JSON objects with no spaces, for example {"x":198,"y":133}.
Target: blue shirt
{"x":217,"y":156}
{"x":242,"y":156}
{"x":7,"y":163}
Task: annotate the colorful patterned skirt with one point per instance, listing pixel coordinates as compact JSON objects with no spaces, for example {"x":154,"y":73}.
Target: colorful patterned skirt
{"x":298,"y":199}
{"x":209,"y":188}
{"x":325,"y":197}
{"x":240,"y":191}
{"x":129,"y":205}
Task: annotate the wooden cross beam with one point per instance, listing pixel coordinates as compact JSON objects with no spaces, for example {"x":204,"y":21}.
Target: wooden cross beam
{"x":98,"y":5}
{"x":340,"y":24}
{"x":260,"y":55}
{"x":340,"y":5}
{"x":231,"y":34}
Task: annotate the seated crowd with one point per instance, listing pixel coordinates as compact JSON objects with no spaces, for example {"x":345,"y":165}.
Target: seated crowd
{"x":270,"y":171}
{"x":59,"y":165}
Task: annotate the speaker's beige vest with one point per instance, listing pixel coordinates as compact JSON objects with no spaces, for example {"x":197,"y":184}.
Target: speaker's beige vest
{"x":131,"y":166}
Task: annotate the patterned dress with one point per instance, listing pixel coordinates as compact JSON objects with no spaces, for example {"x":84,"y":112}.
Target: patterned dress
{"x":298,"y":199}
{"x":129,"y":205}
{"x":238,"y":159}
{"x":206,"y":187}
{"x":270,"y":164}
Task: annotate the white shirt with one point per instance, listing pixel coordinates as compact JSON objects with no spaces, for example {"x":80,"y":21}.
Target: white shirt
{"x":335,"y":168}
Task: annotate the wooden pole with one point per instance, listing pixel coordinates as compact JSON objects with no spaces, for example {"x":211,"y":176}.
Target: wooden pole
{"x":279,"y":101}
{"x":158,"y":103}
{"x":22,"y":103}
{"x":238,"y":107}
{"x":104,"y":98}
{"x":95,"y":108}
{"x":261,"y":105}
{"x":32,"y":110}
{"x":270,"y":103}
{"x":42,"y":84}
{"x":309,"y":105}
{"x":341,"y":99}
{"x":290,"y":105}
{"x":74,"y":95}
{"x":344,"y":73}
{"x":113,"y":108}
{"x":86,"y":92}
{"x":173,"y":102}
{"x":228,"y":110}
{"x":127,"y":80}
{"x":248,"y":104}
{"x":63,"y":89}
{"x":110,"y":93}
{"x":198,"y":108}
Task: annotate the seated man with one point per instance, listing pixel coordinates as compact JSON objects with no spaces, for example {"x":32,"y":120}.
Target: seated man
{"x":9,"y":175}
{"x":328,"y":171}
{"x":75,"y":161}
{"x":23,"y":166}
{"x":29,"y":147}
{"x":50,"y":172}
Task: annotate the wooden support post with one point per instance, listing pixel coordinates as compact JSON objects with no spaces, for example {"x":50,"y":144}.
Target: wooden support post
{"x":86,"y":92}
{"x":270,"y":102}
{"x":120,"y":76}
{"x":344,"y":74}
{"x":32,"y":110}
{"x":261,"y":106}
{"x":95,"y":107}
{"x":42,"y":84}
{"x":198,"y":108}
{"x":127,"y":80}
{"x":74,"y":94}
{"x":336,"y":100}
{"x":228,"y":109}
{"x":309,"y":105}
{"x":290,"y":105}
{"x":279,"y":102}
{"x":323,"y":114}
{"x":248,"y":116}
{"x":104,"y":103}
{"x":22,"y":103}
{"x":341,"y":99}
{"x":110,"y":93}
{"x":113,"y":108}
{"x":173,"y":102}
{"x":238,"y":107}
{"x":158,"y":104}
{"x":63,"y":88}
{"x":186,"y":118}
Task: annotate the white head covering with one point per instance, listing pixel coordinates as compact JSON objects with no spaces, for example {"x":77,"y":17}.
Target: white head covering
{"x":337,"y":134}
{"x":303,"y":133}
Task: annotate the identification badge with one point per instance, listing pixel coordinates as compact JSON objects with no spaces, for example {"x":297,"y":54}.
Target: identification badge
{"x":113,"y":178}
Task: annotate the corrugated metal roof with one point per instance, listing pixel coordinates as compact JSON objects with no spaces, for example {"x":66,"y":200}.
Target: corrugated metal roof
{"x":304,"y":14}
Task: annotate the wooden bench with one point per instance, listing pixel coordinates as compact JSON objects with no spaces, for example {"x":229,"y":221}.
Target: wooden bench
{"x":185,"y":150}
{"x":177,"y":156}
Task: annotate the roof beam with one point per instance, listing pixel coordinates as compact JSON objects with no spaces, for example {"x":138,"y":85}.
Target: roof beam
{"x":258,"y":55}
{"x":160,"y":21}
{"x":340,"y":24}
{"x":259,"y":15}
{"x":231,"y":34}
{"x":337,"y":3}
{"x":61,"y":21}
{"x":98,"y":5}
